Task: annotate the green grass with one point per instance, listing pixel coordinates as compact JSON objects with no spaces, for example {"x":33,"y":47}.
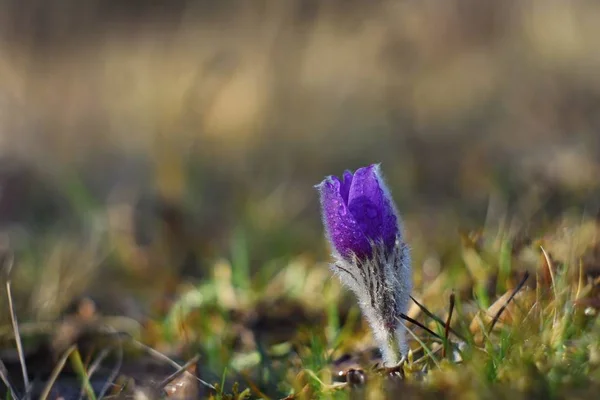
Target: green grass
{"x":278,"y":329}
{"x":548,"y":347}
{"x":544,"y":345}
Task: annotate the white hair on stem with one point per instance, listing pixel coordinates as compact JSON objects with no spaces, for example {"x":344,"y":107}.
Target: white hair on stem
{"x":382,"y":285}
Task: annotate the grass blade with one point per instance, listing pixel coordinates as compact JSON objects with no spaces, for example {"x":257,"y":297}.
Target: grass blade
{"x":4,"y":377}
{"x":79,"y":368}
{"x":15,"y":325}
{"x":56,"y":371}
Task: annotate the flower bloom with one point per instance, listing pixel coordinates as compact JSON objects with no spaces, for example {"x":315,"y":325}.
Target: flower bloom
{"x":358,"y":212}
{"x":364,"y":230}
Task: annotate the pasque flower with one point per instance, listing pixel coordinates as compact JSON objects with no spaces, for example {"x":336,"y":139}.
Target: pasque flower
{"x":370,"y":256}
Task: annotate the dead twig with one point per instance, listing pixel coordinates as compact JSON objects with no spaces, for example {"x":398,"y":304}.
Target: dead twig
{"x":437,"y":319}
{"x":447,"y":327}
{"x":512,"y":296}
{"x":160,"y":356}
{"x":183,"y":369}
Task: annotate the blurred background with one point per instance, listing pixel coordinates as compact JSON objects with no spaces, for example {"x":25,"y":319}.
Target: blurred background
{"x":143,"y":141}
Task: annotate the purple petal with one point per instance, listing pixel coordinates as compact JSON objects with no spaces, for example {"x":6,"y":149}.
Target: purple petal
{"x":342,"y":229}
{"x":345,"y":186}
{"x":370,"y":204}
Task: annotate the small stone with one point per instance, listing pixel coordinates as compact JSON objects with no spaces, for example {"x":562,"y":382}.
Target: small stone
{"x":356,"y":377}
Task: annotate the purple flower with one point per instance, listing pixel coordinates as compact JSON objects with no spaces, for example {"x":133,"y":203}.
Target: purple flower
{"x":370,"y":256}
{"x":359,"y":212}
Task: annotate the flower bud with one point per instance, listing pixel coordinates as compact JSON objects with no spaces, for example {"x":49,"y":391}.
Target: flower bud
{"x":371,"y":258}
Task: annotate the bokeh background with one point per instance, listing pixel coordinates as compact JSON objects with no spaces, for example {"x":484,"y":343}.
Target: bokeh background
{"x":143,"y":141}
